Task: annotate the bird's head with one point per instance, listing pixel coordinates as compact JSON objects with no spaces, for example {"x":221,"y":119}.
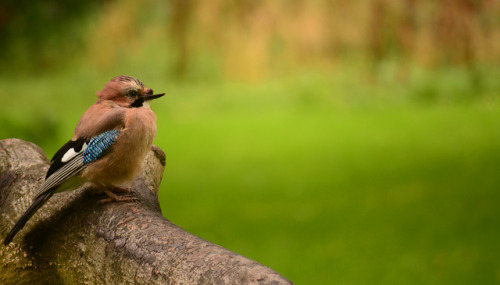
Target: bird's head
{"x":127,"y":91}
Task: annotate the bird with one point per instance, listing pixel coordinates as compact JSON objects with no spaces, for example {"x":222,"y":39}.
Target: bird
{"x":107,"y":149}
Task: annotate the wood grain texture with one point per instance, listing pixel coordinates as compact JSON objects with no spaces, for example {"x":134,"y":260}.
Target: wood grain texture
{"x":74,"y":239}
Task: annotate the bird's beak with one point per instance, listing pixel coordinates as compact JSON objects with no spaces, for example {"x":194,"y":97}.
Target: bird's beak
{"x":148,"y":97}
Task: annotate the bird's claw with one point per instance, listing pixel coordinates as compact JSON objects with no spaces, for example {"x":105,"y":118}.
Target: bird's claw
{"x":117,"y":198}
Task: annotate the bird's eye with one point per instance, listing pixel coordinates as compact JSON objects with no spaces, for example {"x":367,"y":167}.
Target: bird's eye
{"x":132,"y":93}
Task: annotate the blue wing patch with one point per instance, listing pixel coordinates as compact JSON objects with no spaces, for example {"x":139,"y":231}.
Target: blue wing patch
{"x":98,"y":145}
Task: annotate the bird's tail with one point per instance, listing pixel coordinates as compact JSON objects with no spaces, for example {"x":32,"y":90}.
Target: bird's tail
{"x":39,"y":201}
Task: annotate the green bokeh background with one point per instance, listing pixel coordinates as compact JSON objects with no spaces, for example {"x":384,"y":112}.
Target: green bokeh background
{"x":336,"y":174}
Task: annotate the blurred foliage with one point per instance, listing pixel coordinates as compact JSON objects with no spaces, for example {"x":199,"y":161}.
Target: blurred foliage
{"x":249,"y":40}
{"x":36,"y":34}
{"x":335,"y":141}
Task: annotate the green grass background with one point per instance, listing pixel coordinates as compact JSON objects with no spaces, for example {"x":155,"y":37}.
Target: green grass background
{"x":328,"y":178}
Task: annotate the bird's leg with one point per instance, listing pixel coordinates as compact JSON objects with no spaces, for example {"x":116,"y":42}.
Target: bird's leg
{"x":117,"y":189}
{"x":117,"y":198}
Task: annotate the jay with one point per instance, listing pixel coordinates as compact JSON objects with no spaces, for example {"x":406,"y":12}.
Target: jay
{"x":108,"y":147}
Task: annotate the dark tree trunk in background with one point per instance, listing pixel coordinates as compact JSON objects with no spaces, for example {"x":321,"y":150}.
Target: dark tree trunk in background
{"x":454,"y":31}
{"x":179,"y":31}
{"x":407,"y":28}
{"x":377,"y":30}
{"x":74,"y":239}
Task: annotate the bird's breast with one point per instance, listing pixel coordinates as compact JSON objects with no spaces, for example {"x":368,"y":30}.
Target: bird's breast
{"x":124,"y":159}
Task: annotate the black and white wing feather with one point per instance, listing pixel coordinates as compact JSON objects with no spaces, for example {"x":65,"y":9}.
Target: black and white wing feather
{"x":67,"y":161}
{"x":70,"y":159}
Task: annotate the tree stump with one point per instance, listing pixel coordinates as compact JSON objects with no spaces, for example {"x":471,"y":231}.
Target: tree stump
{"x":73,"y":239}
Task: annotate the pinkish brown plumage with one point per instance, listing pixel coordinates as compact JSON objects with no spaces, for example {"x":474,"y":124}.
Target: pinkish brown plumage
{"x":124,"y":161}
{"x":108,"y":147}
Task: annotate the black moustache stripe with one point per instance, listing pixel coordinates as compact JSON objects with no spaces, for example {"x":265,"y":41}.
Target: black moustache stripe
{"x":137,"y":103}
